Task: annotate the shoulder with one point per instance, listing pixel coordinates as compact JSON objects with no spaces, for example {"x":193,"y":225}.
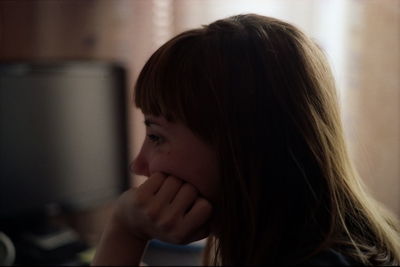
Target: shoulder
{"x":330,"y":257}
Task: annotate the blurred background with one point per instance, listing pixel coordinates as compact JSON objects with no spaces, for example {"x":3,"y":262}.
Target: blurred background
{"x":360,"y":38}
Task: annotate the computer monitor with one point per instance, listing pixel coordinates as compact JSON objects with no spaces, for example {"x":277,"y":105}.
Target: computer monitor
{"x":63,"y":136}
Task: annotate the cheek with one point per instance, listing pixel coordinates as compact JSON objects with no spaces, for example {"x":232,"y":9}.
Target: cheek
{"x":166,"y":161}
{"x":160,"y":161}
{"x":207,"y":179}
{"x":195,"y":166}
{"x":199,"y":169}
{"x":170,"y":164}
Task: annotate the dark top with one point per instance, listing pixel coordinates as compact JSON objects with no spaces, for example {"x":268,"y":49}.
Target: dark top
{"x":330,"y":257}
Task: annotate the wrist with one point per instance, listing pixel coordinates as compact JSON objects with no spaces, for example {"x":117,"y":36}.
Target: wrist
{"x":119,"y":247}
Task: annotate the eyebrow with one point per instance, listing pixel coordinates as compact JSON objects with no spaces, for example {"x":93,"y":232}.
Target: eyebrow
{"x":149,"y":122}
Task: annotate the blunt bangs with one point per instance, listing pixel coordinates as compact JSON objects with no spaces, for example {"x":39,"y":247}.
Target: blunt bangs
{"x":168,"y":84}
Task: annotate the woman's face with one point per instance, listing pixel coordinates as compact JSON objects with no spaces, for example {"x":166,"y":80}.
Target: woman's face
{"x":173,"y":149}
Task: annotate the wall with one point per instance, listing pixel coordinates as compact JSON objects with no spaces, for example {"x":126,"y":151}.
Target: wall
{"x":372,"y":99}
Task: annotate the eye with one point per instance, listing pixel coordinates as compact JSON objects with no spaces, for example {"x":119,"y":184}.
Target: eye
{"x":154,"y":139}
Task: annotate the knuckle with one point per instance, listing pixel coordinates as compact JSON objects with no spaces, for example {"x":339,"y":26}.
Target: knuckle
{"x":204,"y":204}
{"x":153,"y":213}
{"x":189,"y":188}
{"x":169,"y":223}
{"x":140,"y":199}
{"x":158,"y":175}
{"x":173,"y":181}
{"x":156,"y":178}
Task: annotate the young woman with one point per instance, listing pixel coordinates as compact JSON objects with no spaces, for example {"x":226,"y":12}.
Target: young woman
{"x":245,"y":146}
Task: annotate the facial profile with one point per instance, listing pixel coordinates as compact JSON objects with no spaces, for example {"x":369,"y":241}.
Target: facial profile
{"x":173,"y":149}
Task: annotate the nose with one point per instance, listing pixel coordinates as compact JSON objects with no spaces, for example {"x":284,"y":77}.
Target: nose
{"x":140,"y":166}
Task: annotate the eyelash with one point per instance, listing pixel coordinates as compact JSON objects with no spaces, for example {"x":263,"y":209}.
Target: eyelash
{"x":155,"y":139}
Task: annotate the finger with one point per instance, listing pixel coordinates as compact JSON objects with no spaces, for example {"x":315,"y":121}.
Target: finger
{"x":199,"y":214}
{"x":153,"y":183}
{"x":169,"y":189}
{"x":184,"y":199}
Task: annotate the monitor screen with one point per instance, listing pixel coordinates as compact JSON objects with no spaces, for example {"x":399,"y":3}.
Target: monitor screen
{"x":62,"y":135}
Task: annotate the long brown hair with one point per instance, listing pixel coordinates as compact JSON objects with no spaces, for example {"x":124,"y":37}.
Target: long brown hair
{"x":262,"y":94}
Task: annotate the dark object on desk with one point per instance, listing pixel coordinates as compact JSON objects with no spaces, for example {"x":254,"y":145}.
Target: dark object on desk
{"x":48,"y":245}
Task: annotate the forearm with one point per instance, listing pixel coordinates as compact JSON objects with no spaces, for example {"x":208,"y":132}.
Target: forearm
{"x":117,"y":247}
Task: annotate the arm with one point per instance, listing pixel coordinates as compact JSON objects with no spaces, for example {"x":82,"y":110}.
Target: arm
{"x":119,"y":248}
